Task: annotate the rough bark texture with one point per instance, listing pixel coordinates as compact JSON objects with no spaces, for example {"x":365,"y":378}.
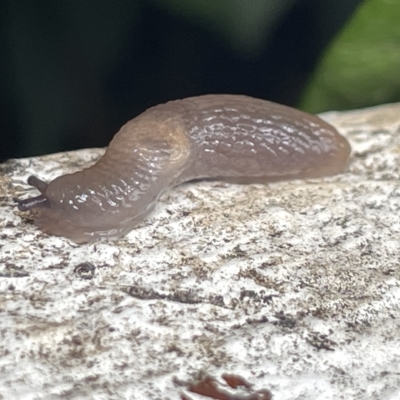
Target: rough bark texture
{"x":294,"y":286}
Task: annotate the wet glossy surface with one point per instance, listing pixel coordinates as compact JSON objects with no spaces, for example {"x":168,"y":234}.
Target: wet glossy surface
{"x":236,"y":138}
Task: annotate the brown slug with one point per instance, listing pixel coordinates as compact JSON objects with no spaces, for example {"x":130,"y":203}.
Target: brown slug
{"x":229,"y":137}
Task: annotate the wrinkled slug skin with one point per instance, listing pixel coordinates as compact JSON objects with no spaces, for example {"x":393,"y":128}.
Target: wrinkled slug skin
{"x":231,"y":137}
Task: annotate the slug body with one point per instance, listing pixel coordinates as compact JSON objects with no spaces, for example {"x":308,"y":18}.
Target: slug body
{"x":230,"y":137}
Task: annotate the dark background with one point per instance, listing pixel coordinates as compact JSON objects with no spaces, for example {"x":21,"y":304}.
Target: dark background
{"x":72,"y":72}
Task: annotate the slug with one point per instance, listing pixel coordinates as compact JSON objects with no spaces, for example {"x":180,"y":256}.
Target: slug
{"x":229,"y":137}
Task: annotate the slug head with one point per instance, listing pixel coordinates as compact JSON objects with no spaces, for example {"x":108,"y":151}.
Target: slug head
{"x":54,"y":214}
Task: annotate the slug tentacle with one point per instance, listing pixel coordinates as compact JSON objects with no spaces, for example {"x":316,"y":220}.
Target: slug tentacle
{"x":32,"y":202}
{"x":38,"y":183}
{"x":231,"y":137}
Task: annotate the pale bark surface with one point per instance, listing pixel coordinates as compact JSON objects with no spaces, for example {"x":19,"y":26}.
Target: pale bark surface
{"x":294,"y":286}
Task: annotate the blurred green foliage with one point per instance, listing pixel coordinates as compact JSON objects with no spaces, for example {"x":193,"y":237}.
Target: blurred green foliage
{"x":73,"y":72}
{"x":362,"y":66}
{"x":243,"y":24}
